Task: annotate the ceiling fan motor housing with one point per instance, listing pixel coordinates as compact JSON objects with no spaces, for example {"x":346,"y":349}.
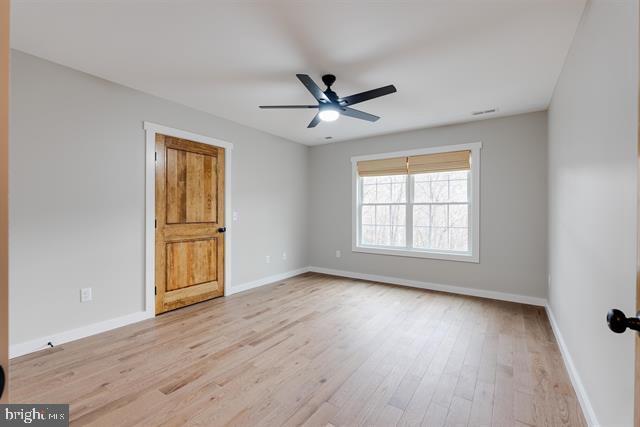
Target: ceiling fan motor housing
{"x":328,"y":79}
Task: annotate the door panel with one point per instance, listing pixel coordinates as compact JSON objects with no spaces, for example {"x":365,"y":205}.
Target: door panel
{"x":189,"y":212}
{"x":191,"y":263}
{"x":191,"y":187}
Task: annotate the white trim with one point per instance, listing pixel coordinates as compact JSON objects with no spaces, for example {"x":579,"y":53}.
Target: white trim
{"x":59,"y":338}
{"x":150,"y":204}
{"x":581,"y":392}
{"x":502,"y":296}
{"x":107,"y":325}
{"x":474,"y":203}
{"x":414,"y":253}
{"x":179,"y":133}
{"x":21,"y":349}
{"x":266,"y":281}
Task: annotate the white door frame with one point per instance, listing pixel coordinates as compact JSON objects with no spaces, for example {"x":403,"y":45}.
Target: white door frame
{"x":150,"y":205}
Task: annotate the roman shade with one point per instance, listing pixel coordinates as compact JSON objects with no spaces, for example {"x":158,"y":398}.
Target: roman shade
{"x":383,"y":167}
{"x":440,"y":162}
{"x":427,"y":163}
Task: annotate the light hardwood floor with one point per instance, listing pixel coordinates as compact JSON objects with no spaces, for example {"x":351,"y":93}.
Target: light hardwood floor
{"x":314,"y":350}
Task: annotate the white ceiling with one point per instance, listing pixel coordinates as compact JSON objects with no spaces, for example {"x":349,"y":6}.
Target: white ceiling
{"x":446,"y":58}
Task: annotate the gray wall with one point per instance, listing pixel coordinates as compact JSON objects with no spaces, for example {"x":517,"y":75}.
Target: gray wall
{"x":513,"y":206}
{"x":592,"y":202}
{"x":77,"y":196}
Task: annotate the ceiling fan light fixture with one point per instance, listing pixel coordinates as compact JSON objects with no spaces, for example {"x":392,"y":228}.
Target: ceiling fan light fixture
{"x":328,"y":114}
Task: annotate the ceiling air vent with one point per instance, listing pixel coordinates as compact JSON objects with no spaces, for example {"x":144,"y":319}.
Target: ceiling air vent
{"x":483,"y":112}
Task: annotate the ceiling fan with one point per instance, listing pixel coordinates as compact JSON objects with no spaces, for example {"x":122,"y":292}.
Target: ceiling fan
{"x":331,"y":106}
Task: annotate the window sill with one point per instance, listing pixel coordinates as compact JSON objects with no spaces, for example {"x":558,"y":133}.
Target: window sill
{"x":417,"y":254}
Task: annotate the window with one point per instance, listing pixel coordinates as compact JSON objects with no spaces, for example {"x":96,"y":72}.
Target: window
{"x":419,"y":203}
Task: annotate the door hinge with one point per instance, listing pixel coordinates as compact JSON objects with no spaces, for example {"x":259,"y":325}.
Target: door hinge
{"x":156,"y":156}
{"x":155,"y":290}
{"x":155,"y":224}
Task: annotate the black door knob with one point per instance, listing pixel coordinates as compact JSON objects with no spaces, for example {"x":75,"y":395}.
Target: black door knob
{"x":618,"y":322}
{"x":1,"y":381}
{"x":222,"y":229}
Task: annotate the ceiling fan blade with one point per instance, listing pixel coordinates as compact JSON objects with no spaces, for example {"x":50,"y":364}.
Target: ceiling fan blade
{"x":287,"y":106}
{"x":357,"y":114}
{"x":314,"y":122}
{"x":313,"y":88}
{"x":365,"y":96}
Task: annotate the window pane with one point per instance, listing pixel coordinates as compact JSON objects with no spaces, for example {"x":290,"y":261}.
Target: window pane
{"x":368,"y":180}
{"x":398,"y":214}
{"x":458,"y":190}
{"x":383,"y":235}
{"x":368,"y":235}
{"x":368,"y":215}
{"x":441,"y":227}
{"x":398,"y":236}
{"x":458,"y":175}
{"x":440,"y":187}
{"x":439,"y":238}
{"x":421,"y":192}
{"x":383,"y":193}
{"x":384,"y":189}
{"x":459,"y":239}
{"x":383,"y":225}
{"x":421,"y":215}
{"x":458,"y":215}
{"x":439,"y":216}
{"x":420,"y":237}
{"x":398,"y":193}
{"x":382,"y":215}
{"x":439,"y":191}
{"x":368,"y":193}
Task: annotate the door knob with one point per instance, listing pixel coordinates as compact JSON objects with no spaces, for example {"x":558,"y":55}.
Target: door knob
{"x":222,"y":229}
{"x":2,"y":380}
{"x":619,"y":322}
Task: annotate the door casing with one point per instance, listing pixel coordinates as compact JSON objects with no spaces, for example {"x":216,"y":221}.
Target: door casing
{"x":151,"y":130}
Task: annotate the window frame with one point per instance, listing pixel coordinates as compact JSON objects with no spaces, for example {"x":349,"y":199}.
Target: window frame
{"x":473,"y":255}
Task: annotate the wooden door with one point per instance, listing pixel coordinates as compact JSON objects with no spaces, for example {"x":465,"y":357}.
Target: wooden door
{"x":4,"y":193}
{"x":189,"y":222}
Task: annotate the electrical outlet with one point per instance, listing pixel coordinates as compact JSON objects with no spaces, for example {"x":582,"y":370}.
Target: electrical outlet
{"x":268,"y":259}
{"x":338,"y":253}
{"x":284,"y":256}
{"x":85,"y":295}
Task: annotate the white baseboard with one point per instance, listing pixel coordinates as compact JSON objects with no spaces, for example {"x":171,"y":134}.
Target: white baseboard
{"x":96,"y":328}
{"x":524,"y":299}
{"x":265,"y":281}
{"x":31,"y":346}
{"x":581,"y":392}
{"x":27,"y":347}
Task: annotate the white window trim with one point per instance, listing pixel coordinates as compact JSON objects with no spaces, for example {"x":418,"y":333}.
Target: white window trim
{"x":474,"y":202}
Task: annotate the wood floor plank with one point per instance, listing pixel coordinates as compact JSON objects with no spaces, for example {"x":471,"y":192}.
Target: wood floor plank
{"x":314,"y":350}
